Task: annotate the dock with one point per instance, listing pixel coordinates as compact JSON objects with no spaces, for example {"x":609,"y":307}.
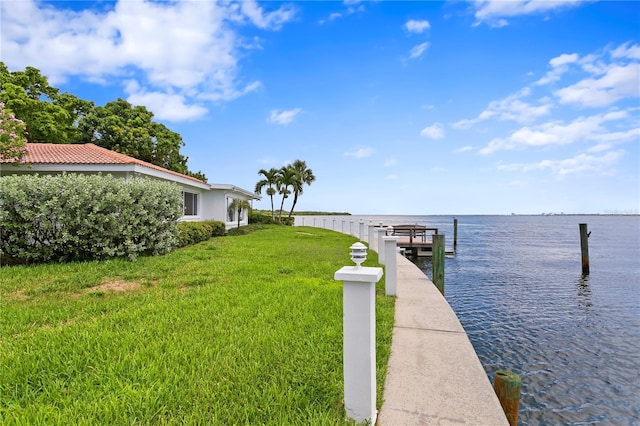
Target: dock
{"x":413,"y":239}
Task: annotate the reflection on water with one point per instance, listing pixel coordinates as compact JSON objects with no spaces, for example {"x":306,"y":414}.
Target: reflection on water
{"x":584,"y":293}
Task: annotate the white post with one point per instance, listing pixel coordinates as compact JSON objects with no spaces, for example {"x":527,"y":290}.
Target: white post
{"x":371,"y":234}
{"x":343,"y":226}
{"x":303,"y":221}
{"x":361,"y":230}
{"x":381,"y":254}
{"x":359,"y":327}
{"x":314,"y":222}
{"x":324,"y":222}
{"x":334,"y":225}
{"x":351,"y":227}
{"x":390,"y":250}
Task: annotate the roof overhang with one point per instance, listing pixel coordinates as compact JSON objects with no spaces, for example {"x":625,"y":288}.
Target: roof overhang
{"x":235,"y":190}
{"x":134,"y":169}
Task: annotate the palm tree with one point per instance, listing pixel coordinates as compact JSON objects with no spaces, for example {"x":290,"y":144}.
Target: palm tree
{"x":286,"y":179}
{"x":238,"y":205}
{"x":270,"y":180}
{"x":303,"y":176}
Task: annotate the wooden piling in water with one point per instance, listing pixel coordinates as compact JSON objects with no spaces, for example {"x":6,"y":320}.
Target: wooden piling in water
{"x":507,"y":388}
{"x":455,"y":234}
{"x":437,"y":261}
{"x":584,"y":248}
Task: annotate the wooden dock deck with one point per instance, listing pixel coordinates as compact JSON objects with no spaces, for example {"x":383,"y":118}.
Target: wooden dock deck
{"x":413,"y":239}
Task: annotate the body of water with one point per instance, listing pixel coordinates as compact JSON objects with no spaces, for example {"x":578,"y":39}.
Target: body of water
{"x":516,"y":285}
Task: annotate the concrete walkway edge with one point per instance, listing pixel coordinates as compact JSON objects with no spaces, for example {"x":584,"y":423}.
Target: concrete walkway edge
{"x":434,"y":376}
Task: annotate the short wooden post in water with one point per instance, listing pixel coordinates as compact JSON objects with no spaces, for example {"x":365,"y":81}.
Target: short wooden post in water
{"x":507,"y":387}
{"x":455,"y":234}
{"x":359,"y":342}
{"x":437,"y":261}
{"x":584,"y":248}
{"x":391,"y":265}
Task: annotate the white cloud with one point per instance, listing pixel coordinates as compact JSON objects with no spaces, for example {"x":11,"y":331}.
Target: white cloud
{"x":187,"y":49}
{"x":165,"y":106}
{"x":559,"y":66}
{"x":348,"y":11}
{"x":392,"y":177}
{"x":464,"y":149}
{"x":581,"y":163}
{"x":618,"y":82}
{"x":605,"y":79}
{"x":283,"y":117}
{"x":360,"y":152}
{"x":626,"y":51}
{"x":268,"y":20}
{"x":495,"y":12}
{"x":418,"y":51}
{"x":435,"y":131}
{"x":417,"y":27}
{"x":510,"y":108}
{"x":584,"y":129}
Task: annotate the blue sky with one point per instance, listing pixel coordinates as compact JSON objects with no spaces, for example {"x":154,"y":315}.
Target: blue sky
{"x":415,"y":107}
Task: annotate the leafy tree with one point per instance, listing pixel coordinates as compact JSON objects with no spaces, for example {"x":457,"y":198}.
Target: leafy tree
{"x":54,"y":117}
{"x":271,"y":182}
{"x":12,"y":136}
{"x":130,"y":130}
{"x":238,"y":206}
{"x":303,"y":176}
{"x":50,"y":116}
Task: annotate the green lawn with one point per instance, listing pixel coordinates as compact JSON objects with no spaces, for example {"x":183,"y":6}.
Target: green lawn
{"x":235,"y":330}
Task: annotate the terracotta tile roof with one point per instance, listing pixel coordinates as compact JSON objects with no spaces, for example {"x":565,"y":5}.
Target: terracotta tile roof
{"x":51,"y":153}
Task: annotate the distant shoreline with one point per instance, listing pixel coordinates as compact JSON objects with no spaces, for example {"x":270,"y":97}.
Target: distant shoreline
{"x":309,"y":213}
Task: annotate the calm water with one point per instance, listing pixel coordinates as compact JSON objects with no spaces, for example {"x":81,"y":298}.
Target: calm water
{"x":516,"y":285}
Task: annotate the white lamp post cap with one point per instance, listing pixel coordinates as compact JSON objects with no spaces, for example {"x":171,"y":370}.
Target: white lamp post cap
{"x":358,"y":253}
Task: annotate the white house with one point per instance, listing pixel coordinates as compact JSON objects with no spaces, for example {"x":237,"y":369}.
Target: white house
{"x":201,"y":200}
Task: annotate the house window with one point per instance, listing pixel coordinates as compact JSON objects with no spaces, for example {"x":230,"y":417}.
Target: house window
{"x":231,"y":212}
{"x":190,"y":203}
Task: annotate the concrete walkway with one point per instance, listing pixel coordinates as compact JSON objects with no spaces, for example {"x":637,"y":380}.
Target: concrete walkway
{"x":434,"y":376}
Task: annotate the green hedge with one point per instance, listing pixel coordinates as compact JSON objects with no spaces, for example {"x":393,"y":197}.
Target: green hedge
{"x":265,"y":218}
{"x":81,"y":217}
{"x":247,"y":229}
{"x":261,"y":217}
{"x":194,"y":232}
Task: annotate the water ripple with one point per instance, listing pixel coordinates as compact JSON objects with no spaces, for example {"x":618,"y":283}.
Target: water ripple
{"x":574,"y":340}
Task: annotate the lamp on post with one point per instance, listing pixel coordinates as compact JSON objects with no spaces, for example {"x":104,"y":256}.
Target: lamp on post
{"x":359,"y":340}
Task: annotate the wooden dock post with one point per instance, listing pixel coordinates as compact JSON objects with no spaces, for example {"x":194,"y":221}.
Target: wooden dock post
{"x":437,"y":261}
{"x":455,"y":234}
{"x":584,"y":248}
{"x":507,"y":387}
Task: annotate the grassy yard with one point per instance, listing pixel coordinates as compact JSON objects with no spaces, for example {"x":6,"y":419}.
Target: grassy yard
{"x":235,"y":330}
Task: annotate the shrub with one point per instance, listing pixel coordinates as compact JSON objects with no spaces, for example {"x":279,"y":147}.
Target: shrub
{"x":261,"y":217}
{"x":194,"y":232}
{"x":82,"y":217}
{"x":243,"y":230}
